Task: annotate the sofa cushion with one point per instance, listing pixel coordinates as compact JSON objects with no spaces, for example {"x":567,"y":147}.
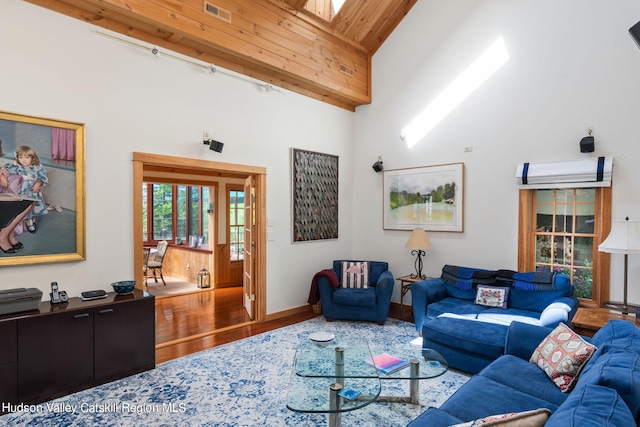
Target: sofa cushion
{"x":562,"y":355}
{"x":454,"y":306}
{"x":505,"y":317}
{"x":536,"y":300}
{"x":618,"y":333}
{"x":538,"y":295}
{"x":592,"y":406}
{"x":534,"y":418}
{"x":472,"y":336}
{"x":355,"y":274}
{"x":518,"y":374}
{"x":433,"y":417}
{"x":482,"y":396}
{"x":360,"y":297}
{"x":492,"y":296}
{"x":618,"y":369}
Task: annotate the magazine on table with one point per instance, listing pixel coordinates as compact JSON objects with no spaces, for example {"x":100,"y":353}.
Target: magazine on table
{"x":387,"y":363}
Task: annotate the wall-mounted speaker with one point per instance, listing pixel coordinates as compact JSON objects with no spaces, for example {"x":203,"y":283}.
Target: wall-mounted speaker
{"x":635,"y":33}
{"x":214,"y":145}
{"x":587,"y":144}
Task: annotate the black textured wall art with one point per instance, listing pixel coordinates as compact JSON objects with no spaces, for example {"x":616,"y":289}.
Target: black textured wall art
{"x":315,"y":196}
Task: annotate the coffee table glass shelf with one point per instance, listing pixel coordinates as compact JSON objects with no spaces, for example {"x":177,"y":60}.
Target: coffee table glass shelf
{"x":333,"y":375}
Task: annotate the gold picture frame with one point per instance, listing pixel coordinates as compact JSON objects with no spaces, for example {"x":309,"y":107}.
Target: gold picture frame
{"x":59,"y":234}
{"x":427,"y":197}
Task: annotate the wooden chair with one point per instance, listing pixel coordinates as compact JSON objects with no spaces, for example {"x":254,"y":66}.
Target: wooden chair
{"x":145,"y":262}
{"x":154,"y":264}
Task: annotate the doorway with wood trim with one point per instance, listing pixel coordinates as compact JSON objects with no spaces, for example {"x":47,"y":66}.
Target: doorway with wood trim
{"x":201,"y":172}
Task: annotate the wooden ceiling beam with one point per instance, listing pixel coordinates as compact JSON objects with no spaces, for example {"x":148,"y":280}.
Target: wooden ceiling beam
{"x":261,"y":36}
{"x":276,"y":41}
{"x":296,"y":4}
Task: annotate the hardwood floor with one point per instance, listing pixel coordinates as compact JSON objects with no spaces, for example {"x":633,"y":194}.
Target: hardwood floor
{"x":190,"y":323}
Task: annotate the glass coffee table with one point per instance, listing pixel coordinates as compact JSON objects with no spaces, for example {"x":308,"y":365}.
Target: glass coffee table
{"x":334,"y":376}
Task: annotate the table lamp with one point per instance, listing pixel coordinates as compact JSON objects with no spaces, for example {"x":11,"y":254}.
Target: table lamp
{"x":624,"y":238}
{"x":418,"y":241}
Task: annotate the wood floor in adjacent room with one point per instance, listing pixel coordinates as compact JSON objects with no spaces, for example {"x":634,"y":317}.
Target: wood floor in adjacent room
{"x":192,"y":322}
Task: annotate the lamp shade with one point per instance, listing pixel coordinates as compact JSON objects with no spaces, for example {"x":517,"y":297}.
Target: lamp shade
{"x":418,"y":240}
{"x":624,"y":238}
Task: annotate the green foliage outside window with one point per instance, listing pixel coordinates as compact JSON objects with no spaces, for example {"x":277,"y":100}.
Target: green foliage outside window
{"x":564,"y":235}
{"x":185,"y":207}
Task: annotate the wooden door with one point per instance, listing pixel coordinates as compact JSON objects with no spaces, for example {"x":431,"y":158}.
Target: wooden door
{"x":248,"y":268}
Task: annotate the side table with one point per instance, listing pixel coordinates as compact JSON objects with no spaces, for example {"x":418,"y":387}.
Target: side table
{"x":588,"y":321}
{"x":405,"y":286}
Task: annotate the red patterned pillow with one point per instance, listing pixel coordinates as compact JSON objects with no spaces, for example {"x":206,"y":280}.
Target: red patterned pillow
{"x":562,"y":355}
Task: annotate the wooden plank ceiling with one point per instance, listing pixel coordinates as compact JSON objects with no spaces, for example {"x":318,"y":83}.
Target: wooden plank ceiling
{"x":283,"y":42}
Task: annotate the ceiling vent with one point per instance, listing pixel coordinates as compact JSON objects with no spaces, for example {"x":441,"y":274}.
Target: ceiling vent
{"x":218,"y":12}
{"x":346,"y":70}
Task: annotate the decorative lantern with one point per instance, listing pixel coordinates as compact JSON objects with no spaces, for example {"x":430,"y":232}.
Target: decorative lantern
{"x":204,"y":278}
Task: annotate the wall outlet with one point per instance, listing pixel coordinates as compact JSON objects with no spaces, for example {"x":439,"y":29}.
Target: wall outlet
{"x":188,"y":267}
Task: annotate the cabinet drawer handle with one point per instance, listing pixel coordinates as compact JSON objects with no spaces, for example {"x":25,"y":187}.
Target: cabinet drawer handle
{"x":106,"y":311}
{"x":80,"y":316}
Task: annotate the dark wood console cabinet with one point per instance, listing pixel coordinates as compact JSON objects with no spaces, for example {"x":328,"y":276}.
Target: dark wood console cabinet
{"x":63,"y":348}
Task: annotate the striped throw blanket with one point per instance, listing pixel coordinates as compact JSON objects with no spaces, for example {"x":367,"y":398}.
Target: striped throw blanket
{"x":530,"y":281}
{"x":466,"y":278}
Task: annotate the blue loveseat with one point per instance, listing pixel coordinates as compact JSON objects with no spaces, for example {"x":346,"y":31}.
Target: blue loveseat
{"x":369,"y":304}
{"x":471,"y":335}
{"x":607,"y":392}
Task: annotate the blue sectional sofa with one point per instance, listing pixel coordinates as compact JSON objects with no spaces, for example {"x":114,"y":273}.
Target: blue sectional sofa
{"x":470,"y":333}
{"x":607,"y":391}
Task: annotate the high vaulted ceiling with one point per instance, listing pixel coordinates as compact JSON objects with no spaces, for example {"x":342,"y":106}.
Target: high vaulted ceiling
{"x":283,"y":42}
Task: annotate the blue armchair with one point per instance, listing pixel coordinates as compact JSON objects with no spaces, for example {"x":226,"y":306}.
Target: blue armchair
{"x":369,"y":304}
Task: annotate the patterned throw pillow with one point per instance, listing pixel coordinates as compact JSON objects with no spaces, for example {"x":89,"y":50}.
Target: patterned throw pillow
{"x":562,"y":355}
{"x":492,"y":296}
{"x":535,"y":418}
{"x":355,"y":274}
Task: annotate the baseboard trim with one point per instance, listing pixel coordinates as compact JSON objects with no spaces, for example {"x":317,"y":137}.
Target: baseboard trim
{"x":289,"y":312}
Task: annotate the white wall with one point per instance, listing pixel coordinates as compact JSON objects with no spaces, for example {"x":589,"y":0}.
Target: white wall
{"x":55,"y":67}
{"x":572,"y":64}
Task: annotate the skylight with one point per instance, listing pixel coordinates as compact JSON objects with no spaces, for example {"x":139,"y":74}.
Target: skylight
{"x":336,"y":5}
{"x":324,"y":9}
{"x":458,"y":90}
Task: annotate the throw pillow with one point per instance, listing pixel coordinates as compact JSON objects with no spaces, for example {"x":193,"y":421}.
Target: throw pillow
{"x":492,"y":296}
{"x":355,"y":274}
{"x":562,"y":355}
{"x":535,"y":418}
{"x":555,"y":312}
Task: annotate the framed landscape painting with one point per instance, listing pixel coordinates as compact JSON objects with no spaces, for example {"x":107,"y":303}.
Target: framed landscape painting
{"x":43,"y":163}
{"x":427,"y":197}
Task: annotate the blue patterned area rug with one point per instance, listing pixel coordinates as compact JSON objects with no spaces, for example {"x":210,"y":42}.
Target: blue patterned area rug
{"x":243,"y":383}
